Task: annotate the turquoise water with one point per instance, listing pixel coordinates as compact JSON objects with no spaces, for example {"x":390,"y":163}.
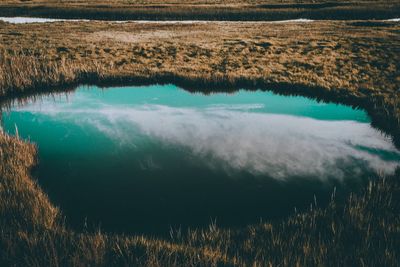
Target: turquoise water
{"x":144,"y":159}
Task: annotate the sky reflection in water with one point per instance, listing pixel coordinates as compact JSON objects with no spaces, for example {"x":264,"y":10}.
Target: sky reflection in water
{"x":162,"y":133}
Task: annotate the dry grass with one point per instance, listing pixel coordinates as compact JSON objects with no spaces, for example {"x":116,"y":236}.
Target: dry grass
{"x":203,"y":9}
{"x":333,"y":55}
{"x":23,"y":204}
{"x":333,"y":61}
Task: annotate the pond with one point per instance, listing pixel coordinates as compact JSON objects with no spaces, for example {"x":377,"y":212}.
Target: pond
{"x":145,"y":159}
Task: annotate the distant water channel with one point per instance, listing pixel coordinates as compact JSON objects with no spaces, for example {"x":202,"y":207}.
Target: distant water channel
{"x":28,"y":20}
{"x":144,"y":159}
{"x":24,"y":20}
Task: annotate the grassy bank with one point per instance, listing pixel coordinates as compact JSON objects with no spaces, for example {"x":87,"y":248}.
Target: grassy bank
{"x":351,"y":62}
{"x":203,"y":10}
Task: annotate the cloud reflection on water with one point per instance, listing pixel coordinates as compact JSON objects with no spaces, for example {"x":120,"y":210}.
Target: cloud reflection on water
{"x":232,"y":137}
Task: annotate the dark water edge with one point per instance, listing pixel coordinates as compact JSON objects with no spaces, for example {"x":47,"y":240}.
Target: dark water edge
{"x":169,"y":219}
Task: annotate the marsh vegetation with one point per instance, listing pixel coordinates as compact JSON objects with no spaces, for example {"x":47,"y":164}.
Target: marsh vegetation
{"x":345,"y":62}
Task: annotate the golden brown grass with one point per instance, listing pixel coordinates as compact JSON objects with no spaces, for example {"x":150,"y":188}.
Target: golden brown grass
{"x":333,"y":55}
{"x":23,"y":204}
{"x":203,"y":9}
{"x":334,"y":61}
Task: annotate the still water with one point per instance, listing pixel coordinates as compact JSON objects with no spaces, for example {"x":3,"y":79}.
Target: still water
{"x":144,"y":159}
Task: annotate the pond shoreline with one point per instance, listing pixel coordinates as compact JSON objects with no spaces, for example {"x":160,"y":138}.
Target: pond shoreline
{"x":42,"y":224}
{"x":383,"y":115}
{"x":127,"y":111}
